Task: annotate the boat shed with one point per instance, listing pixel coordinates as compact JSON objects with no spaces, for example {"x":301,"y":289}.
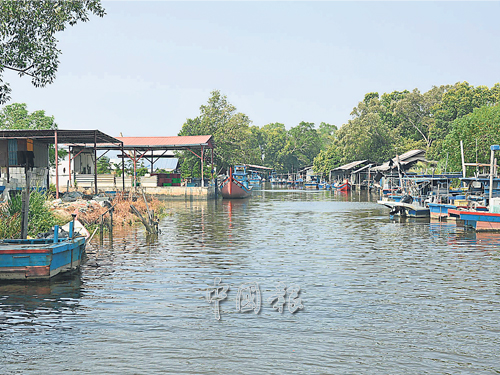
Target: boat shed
{"x":154,"y":148}
{"x":345,"y":171}
{"x":405,"y":161}
{"x":25,"y":149}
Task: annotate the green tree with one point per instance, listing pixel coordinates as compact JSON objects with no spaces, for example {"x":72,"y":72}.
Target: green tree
{"x":302,"y":146}
{"x":27,"y":36}
{"x":274,"y":138}
{"x":235,"y":141}
{"x":481,"y":126}
{"x":327,"y":160}
{"x":103,"y":165}
{"x":459,"y":100}
{"x":327,"y":134}
{"x":416,"y":123}
{"x":366,"y":136}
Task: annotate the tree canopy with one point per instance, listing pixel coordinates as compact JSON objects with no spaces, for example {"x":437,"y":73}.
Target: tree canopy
{"x":478,"y":131}
{"x":28,"y":44}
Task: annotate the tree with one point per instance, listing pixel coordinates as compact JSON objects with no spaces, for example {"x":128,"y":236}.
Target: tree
{"x":327,"y":160}
{"x":235,"y":141}
{"x":366,"y":136}
{"x":302,"y":146}
{"x":327,"y":134}
{"x":27,"y":36}
{"x":481,"y":126}
{"x":274,"y":137}
{"x":458,"y":101}
{"x":416,"y":123}
{"x":16,"y":116}
{"x":103,"y":165}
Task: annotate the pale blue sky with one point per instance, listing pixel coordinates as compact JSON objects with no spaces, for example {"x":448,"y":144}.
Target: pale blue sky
{"x":146,"y":67}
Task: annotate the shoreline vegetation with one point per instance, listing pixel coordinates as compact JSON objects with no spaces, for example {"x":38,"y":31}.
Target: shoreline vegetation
{"x":45,"y":212}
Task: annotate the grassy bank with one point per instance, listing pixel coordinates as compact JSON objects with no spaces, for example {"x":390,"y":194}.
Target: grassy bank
{"x":45,"y":212}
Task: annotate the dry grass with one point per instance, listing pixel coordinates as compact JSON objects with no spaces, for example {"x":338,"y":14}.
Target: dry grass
{"x":90,"y":214}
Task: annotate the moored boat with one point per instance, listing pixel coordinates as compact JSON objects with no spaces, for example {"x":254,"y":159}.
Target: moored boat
{"x":481,"y":221}
{"x":41,"y":258}
{"x":236,"y":185}
{"x":343,"y":186}
{"x":405,"y":209}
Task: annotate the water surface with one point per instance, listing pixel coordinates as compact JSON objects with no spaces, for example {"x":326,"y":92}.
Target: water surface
{"x":379,"y":296}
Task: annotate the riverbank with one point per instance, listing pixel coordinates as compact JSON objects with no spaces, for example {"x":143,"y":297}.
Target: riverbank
{"x":90,"y":212}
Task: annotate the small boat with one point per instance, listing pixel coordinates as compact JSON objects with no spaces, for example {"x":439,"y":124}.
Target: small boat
{"x":274,"y":179}
{"x":343,"y":186}
{"x":406,"y":207}
{"x":42,"y":258}
{"x":324,"y":185}
{"x":312,"y":181}
{"x":255,"y":178}
{"x":236,"y":185}
{"x":440,"y":210}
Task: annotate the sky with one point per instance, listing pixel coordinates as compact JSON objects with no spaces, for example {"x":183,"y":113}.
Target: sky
{"x":147,"y":67}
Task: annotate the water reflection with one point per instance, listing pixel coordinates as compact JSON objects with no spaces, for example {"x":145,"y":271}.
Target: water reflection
{"x":24,"y":303}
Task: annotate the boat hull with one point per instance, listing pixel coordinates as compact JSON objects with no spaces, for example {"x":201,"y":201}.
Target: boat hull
{"x":39,"y":258}
{"x":346,"y":186}
{"x":406,"y":209}
{"x":234,"y":190}
{"x":440,"y":211}
{"x":481,"y":221}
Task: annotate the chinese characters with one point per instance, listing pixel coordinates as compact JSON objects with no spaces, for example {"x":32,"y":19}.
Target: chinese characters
{"x":249,"y":297}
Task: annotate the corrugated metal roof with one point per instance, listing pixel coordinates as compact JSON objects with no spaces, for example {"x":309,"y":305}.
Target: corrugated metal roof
{"x":167,"y":142}
{"x":257,"y":166}
{"x":409,"y":154}
{"x":402,"y":160}
{"x":63,"y":136}
{"x":362,"y":168}
{"x":350,"y":165}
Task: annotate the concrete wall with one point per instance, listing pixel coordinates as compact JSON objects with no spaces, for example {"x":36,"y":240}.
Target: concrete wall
{"x":182,"y":192}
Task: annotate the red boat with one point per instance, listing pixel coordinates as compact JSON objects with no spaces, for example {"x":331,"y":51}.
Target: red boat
{"x":236,"y":185}
{"x":344,"y":186}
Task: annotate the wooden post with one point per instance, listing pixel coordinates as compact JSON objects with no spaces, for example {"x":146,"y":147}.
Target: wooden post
{"x":492,"y":161}
{"x":57,"y":165}
{"x":95,"y":162}
{"x":25,"y":204}
{"x":69,"y":166}
{"x":463,"y":158}
{"x":123,"y":169}
{"x":202,"y":160}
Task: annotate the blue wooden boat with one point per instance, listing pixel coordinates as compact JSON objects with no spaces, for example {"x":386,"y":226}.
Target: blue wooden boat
{"x":255,"y":179}
{"x":41,"y":258}
{"x":312,"y":182}
{"x":440,"y":210}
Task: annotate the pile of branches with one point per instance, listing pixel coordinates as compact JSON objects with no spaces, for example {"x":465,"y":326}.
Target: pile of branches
{"x":91,"y":214}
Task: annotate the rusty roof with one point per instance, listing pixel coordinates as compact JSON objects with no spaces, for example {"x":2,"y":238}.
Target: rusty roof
{"x":63,"y":136}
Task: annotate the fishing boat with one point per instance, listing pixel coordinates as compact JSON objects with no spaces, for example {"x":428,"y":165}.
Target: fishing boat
{"x":406,"y":207}
{"x":312,"y":181}
{"x":236,"y":185}
{"x":42,"y":258}
{"x":274,"y":179}
{"x":343,"y":186}
{"x":255,"y":179}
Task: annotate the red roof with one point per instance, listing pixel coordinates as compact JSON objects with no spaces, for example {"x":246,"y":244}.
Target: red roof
{"x":167,"y":142}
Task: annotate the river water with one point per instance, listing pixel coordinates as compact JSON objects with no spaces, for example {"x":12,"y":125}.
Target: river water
{"x":377,"y":296}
